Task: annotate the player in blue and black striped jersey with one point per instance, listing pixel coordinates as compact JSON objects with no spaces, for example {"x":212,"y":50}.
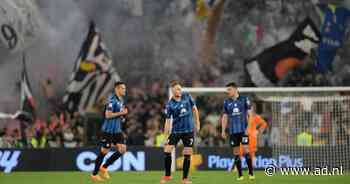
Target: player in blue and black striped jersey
{"x":111,"y":130}
{"x":235,"y":119}
{"x":182,"y":111}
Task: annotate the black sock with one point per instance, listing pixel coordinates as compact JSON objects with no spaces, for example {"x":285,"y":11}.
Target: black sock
{"x":186,"y":166}
{"x":238,"y":165}
{"x":167,"y":162}
{"x":112,"y":159}
{"x":249,"y":163}
{"x":98,"y":162}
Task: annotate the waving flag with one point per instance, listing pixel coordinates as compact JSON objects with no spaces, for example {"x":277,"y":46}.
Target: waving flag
{"x":333,"y":33}
{"x":270,"y":66}
{"x":27,"y":103}
{"x":93,"y":75}
{"x":27,"y":100}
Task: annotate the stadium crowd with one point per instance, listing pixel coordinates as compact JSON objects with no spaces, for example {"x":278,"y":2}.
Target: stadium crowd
{"x":144,"y":124}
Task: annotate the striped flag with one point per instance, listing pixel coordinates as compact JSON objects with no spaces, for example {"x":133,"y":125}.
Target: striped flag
{"x":93,"y":75}
{"x":27,"y":106}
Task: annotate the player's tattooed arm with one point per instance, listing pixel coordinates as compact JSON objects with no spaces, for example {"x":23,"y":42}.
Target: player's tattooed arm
{"x":196,"y":118}
{"x":223,"y":126}
{"x":167,"y":126}
{"x":110,"y":114}
{"x":249,"y":114}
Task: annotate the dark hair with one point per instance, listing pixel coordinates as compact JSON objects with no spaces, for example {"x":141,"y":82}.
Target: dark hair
{"x":174,"y":83}
{"x":231,"y":84}
{"x":118,"y":83}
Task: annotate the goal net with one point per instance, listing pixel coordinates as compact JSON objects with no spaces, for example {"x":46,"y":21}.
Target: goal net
{"x":307,"y":127}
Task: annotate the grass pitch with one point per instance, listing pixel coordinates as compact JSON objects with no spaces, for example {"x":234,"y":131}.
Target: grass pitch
{"x":198,"y":177}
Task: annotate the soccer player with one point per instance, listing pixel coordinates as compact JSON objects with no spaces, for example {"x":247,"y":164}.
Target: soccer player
{"x":182,"y":110}
{"x":111,"y":132}
{"x":235,"y":118}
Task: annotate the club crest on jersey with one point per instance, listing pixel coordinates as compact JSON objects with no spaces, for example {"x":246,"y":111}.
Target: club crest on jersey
{"x":236,"y":111}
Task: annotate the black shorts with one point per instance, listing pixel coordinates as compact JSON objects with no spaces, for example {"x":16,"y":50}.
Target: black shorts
{"x":187,"y":139}
{"x":107,"y":139}
{"x":239,"y":138}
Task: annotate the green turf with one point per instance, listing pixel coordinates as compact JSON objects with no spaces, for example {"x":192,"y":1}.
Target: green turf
{"x":210,"y":177}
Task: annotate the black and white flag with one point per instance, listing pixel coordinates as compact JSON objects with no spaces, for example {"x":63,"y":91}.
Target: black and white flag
{"x":93,"y":75}
{"x":273,"y":63}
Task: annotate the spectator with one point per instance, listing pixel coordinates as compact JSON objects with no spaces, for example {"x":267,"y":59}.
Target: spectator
{"x":39,"y":139}
{"x":208,"y":134}
{"x":53,"y":121}
{"x":54,"y":138}
{"x":8,"y":138}
{"x":69,"y":139}
{"x":137,"y":138}
{"x":161,"y":139}
{"x":39,"y":124}
{"x":17,"y":139}
{"x":152,"y":131}
{"x":2,"y":135}
{"x":51,"y":98}
{"x":304,"y":138}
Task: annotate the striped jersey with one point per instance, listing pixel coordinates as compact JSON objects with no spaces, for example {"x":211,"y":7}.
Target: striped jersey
{"x":113,"y":125}
{"x":181,"y":114}
{"x":237,"y":113}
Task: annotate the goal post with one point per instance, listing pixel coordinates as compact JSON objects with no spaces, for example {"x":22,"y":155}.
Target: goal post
{"x":310,"y":123}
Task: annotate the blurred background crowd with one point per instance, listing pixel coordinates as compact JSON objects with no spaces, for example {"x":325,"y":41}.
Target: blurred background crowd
{"x":204,"y":43}
{"x":289,"y":122}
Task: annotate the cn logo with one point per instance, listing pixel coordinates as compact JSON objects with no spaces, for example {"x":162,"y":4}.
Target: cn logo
{"x":9,"y":160}
{"x":129,"y":161}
